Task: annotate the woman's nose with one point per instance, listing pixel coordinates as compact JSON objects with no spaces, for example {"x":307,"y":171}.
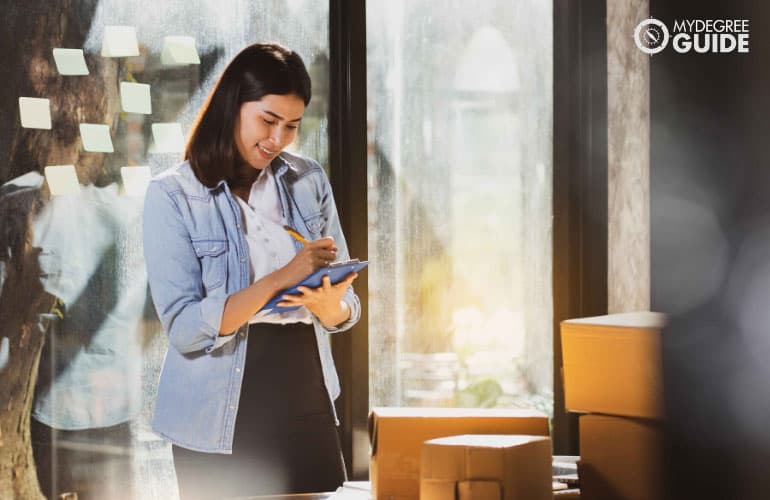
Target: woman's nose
{"x":276,"y":136}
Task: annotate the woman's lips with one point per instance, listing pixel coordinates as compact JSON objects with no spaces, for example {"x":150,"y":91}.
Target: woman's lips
{"x":265,"y":153}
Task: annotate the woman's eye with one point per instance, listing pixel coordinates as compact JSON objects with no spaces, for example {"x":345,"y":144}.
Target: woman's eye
{"x":269,"y":122}
{"x":292,"y":127}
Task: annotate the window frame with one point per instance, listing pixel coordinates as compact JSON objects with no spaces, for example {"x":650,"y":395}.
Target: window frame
{"x":348,"y":177}
{"x":580,"y":183}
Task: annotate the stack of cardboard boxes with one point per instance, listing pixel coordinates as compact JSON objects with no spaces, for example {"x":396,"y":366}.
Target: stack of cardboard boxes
{"x":613,"y":374}
{"x":507,"y":455}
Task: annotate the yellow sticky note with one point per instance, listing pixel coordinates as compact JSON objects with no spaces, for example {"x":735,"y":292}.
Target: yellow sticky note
{"x":167,"y":138}
{"x":62,"y":179}
{"x":135,"y":98}
{"x":35,"y":112}
{"x":179,"y":50}
{"x":135,"y":180}
{"x":119,"y":41}
{"x":70,"y":62}
{"x":96,"y":137}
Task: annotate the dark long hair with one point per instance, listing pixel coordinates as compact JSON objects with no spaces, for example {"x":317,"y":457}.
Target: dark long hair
{"x":258,"y":70}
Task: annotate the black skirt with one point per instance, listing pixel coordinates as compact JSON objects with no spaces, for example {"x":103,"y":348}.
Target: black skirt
{"x":285,"y":437}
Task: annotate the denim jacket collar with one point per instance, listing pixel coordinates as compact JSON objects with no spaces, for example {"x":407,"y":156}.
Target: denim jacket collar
{"x":279,"y":166}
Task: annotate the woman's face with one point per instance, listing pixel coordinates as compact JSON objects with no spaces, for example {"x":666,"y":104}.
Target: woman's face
{"x":265,"y":127}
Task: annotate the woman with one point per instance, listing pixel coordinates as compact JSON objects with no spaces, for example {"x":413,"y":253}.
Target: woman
{"x":246,"y":398}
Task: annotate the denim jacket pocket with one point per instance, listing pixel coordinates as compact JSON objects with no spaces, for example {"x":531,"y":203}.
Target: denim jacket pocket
{"x":212,"y":255}
{"x":315,"y":223}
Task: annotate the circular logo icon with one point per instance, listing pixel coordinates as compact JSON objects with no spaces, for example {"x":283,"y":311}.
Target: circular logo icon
{"x":651,"y":36}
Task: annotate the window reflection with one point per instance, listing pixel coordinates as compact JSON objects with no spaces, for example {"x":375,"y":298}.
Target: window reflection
{"x":71,"y":269}
{"x":460,"y":204}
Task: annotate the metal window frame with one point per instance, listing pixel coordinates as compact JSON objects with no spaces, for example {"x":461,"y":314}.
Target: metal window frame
{"x":579,"y":182}
{"x":348,"y":176}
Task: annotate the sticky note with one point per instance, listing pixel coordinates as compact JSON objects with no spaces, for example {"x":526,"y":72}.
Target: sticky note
{"x":167,"y":138}
{"x":119,"y":41}
{"x":62,"y":179}
{"x":135,"y":180}
{"x":35,"y":112}
{"x":96,"y":137}
{"x":178,"y":50}
{"x":70,"y":62}
{"x":135,"y":98}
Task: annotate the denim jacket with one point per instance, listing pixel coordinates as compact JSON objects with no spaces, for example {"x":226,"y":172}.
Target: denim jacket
{"x":197,"y":255}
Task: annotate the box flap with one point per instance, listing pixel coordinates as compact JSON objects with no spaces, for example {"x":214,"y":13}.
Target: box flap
{"x":643,"y":319}
{"x":487,"y":440}
{"x":388,"y":411}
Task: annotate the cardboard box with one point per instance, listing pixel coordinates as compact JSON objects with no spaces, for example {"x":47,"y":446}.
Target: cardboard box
{"x":479,"y":490}
{"x":612,"y":364}
{"x":431,"y":489}
{"x":488,"y":467}
{"x":396,"y":436}
{"x":434,"y":489}
{"x":620,"y":458}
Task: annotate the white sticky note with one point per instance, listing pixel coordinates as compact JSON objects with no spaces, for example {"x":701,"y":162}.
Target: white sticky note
{"x":62,"y":179}
{"x":167,"y":138}
{"x":119,"y":41}
{"x":96,"y":137}
{"x":35,"y":112}
{"x":70,"y":62}
{"x":179,"y":50}
{"x":135,"y":98}
{"x":135,"y":180}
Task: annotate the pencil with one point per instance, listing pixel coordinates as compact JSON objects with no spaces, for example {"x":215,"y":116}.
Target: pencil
{"x":294,"y":234}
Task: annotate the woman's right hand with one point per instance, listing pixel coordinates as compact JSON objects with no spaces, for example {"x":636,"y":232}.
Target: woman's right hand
{"x":315,"y":254}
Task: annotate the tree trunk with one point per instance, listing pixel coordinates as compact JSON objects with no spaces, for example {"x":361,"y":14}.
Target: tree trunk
{"x":29,"y":31}
{"x":20,"y":299}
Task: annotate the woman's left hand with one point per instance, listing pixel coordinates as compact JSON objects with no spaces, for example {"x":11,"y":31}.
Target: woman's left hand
{"x":325,"y":302}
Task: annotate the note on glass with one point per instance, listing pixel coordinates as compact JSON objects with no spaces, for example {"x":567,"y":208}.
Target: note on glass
{"x":119,"y":41}
{"x":96,"y":137}
{"x":167,"y":138}
{"x":62,"y":179}
{"x":35,"y":113}
{"x":70,"y":62}
{"x":135,"y":98}
{"x":179,"y":50}
{"x":135,"y":180}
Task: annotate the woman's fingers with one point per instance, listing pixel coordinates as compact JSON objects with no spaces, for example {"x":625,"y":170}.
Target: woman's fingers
{"x":327,"y":243}
{"x":347,"y":281}
{"x":327,"y":255}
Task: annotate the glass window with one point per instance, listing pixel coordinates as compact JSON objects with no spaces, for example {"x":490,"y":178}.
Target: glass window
{"x":460,"y":142}
{"x":80,"y":236}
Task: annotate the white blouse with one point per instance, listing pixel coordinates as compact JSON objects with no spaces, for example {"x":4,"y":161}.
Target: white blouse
{"x":270,"y":246}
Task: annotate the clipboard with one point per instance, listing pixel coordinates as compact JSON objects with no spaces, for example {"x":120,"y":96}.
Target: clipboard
{"x":336,"y":272}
